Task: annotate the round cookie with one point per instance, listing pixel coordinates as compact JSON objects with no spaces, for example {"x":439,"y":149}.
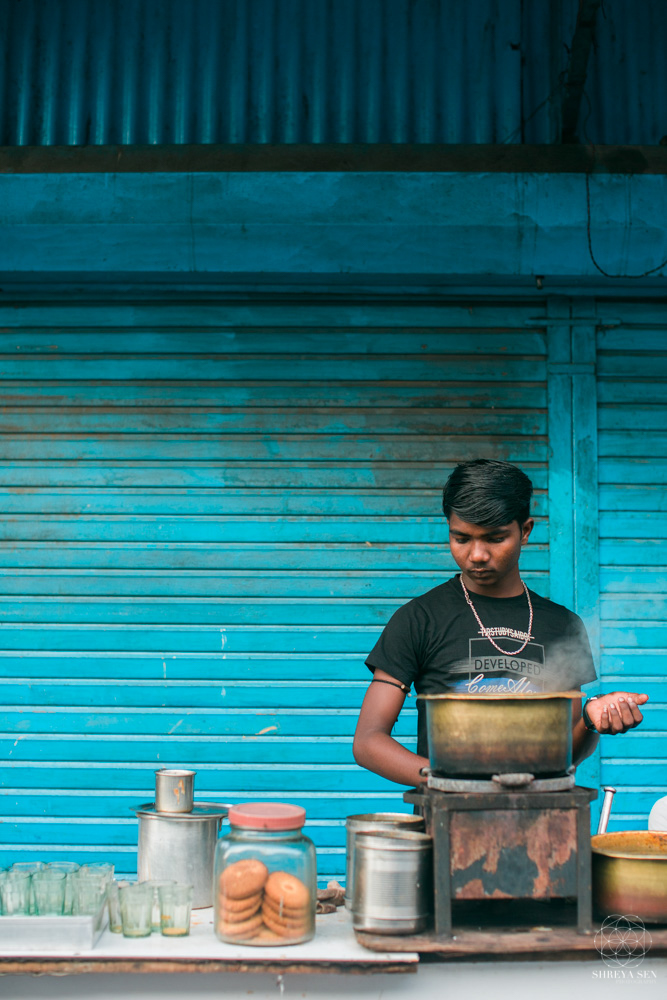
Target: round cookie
{"x":285,"y":912}
{"x":236,"y":905}
{"x":238,"y":916}
{"x":243,"y":928}
{"x":243,"y":878}
{"x":286,"y":890}
{"x":267,"y":937}
{"x":270,"y":914}
{"x":285,"y":930}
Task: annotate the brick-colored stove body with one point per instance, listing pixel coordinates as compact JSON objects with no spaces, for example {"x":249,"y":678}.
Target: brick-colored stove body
{"x":518,"y":845}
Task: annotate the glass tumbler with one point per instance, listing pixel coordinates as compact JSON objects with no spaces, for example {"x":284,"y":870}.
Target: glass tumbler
{"x":48,"y":890}
{"x":103,"y":868}
{"x":69,"y":868}
{"x":15,"y":893}
{"x":113,"y":901}
{"x":27,"y":866}
{"x":175,"y":909}
{"x":3,"y":876}
{"x":136,"y":906}
{"x":88,"y":892}
{"x":155,"y":885}
{"x":30,"y":867}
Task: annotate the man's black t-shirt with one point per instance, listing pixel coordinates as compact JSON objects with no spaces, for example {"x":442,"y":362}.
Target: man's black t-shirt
{"x":435,"y":643}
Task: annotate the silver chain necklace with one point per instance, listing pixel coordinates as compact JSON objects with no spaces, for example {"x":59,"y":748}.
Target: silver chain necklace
{"x":485,"y":631}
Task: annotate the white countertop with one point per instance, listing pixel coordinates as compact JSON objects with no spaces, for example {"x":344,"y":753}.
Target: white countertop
{"x":334,"y":942}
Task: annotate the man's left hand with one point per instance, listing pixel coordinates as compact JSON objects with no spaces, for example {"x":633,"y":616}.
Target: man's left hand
{"x":617,"y":712}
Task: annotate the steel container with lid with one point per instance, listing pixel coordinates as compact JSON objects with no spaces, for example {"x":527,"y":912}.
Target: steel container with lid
{"x":265,"y":884}
{"x":180,"y":847}
{"x":372,"y":823}
{"x":177,"y":845}
{"x":393,"y":884}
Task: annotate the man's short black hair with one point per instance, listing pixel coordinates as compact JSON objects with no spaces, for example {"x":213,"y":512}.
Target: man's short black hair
{"x":488,"y":493}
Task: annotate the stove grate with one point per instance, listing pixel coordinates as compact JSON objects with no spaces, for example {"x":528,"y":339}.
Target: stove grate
{"x":501,"y":783}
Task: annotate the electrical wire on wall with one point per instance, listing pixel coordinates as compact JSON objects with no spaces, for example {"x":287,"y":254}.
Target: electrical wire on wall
{"x":607,"y":274}
{"x":592,"y":146}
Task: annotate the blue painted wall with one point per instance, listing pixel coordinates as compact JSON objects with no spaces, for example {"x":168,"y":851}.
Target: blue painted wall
{"x":632,"y":435}
{"x":211,"y":504}
{"x":209,"y":511}
{"x":291,"y":226}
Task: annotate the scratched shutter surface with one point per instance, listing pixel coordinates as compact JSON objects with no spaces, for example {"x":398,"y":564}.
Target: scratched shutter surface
{"x":632,"y":428}
{"x":209,"y":512}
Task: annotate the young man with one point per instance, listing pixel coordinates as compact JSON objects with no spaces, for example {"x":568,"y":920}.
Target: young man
{"x":483,"y":630}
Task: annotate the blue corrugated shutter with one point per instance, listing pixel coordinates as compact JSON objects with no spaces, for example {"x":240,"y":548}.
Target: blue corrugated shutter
{"x":81,"y":72}
{"x":86,"y":72}
{"x":209,"y":511}
{"x":632,"y":433}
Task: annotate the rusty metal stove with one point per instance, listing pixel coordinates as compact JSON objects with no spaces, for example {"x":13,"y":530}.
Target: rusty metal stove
{"x":512,"y":837}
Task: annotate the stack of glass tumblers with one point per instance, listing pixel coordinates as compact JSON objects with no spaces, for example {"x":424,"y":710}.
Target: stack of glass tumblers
{"x":64,"y":888}
{"x":137,"y":909}
{"x":54,"y":889}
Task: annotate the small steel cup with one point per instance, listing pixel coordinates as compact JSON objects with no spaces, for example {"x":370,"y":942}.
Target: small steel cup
{"x":174,"y":790}
{"x":175,"y":909}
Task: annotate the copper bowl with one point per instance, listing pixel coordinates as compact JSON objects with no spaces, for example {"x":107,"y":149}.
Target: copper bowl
{"x":475,"y":735}
{"x":630,"y":874}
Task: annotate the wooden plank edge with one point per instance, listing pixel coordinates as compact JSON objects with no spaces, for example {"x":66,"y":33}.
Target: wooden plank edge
{"x":557,"y":944}
{"x":80,"y":966}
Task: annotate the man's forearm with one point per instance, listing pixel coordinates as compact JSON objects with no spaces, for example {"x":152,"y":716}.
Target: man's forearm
{"x":382,"y":754}
{"x":584,"y":742}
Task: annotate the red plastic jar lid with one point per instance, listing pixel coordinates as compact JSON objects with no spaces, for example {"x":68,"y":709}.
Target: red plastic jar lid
{"x":267,"y":816}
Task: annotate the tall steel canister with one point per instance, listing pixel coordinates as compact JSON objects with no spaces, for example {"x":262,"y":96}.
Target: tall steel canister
{"x":393,"y":883}
{"x":180,"y":847}
{"x":373,"y":823}
{"x":177,"y":836}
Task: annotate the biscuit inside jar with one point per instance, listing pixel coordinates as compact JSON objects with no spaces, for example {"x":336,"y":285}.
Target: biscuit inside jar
{"x":280,"y":910}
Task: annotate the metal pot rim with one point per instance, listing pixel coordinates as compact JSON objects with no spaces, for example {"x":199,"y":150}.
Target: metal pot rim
{"x":597,"y":845}
{"x":408,"y":819}
{"x":174,"y":772}
{"x":528,"y":696}
{"x":400,"y":840}
{"x":201,"y":812}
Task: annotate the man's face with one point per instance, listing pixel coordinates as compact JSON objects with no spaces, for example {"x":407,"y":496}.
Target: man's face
{"x":487,"y":557}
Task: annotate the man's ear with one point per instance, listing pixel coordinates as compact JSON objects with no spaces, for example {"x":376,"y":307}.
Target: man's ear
{"x":526,"y":529}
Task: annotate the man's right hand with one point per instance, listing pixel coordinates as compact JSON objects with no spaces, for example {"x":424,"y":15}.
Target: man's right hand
{"x":615,"y":713}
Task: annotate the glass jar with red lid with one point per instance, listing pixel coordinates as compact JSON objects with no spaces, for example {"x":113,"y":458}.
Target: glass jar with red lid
{"x":265,"y":882}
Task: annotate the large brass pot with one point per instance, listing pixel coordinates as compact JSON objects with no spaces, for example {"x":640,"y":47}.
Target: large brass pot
{"x":472,"y":735}
{"x":630,"y":874}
